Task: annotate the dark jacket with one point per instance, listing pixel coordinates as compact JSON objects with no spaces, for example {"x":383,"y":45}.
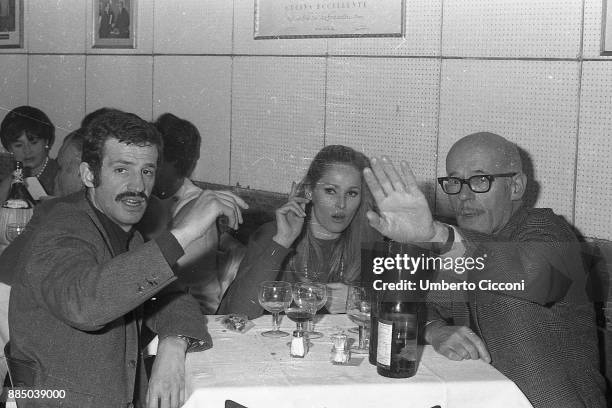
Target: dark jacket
{"x":76,"y":309}
{"x":543,"y":337}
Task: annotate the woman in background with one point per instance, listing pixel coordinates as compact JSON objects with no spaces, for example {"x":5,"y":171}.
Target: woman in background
{"x":316,"y":237}
{"x":28,"y":134}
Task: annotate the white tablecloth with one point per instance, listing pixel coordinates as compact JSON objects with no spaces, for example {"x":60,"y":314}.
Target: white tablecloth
{"x":257,"y":371}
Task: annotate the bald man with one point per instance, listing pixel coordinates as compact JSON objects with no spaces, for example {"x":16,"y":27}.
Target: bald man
{"x":527,"y":312}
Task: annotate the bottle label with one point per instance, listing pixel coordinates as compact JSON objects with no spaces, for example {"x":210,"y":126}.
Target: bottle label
{"x":383,"y":349}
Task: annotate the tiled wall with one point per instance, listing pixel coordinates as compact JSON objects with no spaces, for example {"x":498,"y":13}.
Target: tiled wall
{"x":527,"y":69}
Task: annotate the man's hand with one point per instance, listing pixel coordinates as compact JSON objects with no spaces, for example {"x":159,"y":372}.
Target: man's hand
{"x":456,"y":342}
{"x":290,"y":218}
{"x":404,"y":214}
{"x":167,"y":383}
{"x":203,"y":212}
{"x":336,"y":300}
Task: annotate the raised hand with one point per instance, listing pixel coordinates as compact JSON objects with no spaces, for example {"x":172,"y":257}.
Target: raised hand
{"x":404,"y":214}
{"x":290,"y":218}
{"x":199,"y":215}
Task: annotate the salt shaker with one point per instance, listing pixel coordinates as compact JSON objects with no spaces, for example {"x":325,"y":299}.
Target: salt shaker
{"x":340,"y":353}
{"x":299,"y":344}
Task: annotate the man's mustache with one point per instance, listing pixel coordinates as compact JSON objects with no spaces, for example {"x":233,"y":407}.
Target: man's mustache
{"x":127,"y":194}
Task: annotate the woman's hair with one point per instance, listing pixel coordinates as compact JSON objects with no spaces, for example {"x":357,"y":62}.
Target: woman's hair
{"x":345,"y":264}
{"x":30,"y":120}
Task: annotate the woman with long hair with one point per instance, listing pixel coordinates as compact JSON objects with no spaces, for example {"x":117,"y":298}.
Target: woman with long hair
{"x":316,"y":236}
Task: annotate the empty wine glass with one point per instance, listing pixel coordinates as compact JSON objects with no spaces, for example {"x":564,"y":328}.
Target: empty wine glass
{"x":275,"y":297}
{"x":13,"y":230}
{"x":358,"y":309}
{"x":311,"y":292}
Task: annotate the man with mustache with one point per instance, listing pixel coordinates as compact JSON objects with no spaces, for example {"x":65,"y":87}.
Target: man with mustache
{"x":83,"y":279}
{"x":543,"y":337}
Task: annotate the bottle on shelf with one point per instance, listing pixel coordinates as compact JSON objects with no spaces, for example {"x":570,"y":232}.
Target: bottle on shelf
{"x":17,"y":210}
{"x":18,"y":197}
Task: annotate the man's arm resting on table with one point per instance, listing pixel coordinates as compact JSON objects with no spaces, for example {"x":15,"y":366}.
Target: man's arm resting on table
{"x":455,"y":342}
{"x":167,"y":383}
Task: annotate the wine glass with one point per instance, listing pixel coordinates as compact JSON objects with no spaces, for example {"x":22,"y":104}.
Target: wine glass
{"x":311,"y":292}
{"x":14,"y":229}
{"x":358,"y":309}
{"x":275,"y":296}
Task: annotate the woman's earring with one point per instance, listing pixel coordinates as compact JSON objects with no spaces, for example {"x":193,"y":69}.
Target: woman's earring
{"x":47,"y":147}
{"x":309,"y":196}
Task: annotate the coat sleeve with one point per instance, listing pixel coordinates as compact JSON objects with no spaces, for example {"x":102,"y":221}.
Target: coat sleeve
{"x":263,"y":261}
{"x":72,"y":274}
{"x":174,"y":312}
{"x":541,"y":253}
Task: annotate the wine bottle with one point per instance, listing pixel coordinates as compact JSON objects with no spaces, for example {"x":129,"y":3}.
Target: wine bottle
{"x":396,"y":352}
{"x":373,"y":333}
{"x":18,"y":196}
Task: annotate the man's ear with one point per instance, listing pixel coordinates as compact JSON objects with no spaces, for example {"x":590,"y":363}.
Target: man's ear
{"x":518,"y":186}
{"x":87,"y":176}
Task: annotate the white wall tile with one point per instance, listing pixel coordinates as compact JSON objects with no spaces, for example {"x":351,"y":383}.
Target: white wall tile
{"x":193,"y":26}
{"x":591,"y":47}
{"x":386,"y":106}
{"x":198,"y":89}
{"x":532,"y":103}
{"x":122,"y":82}
{"x":13,"y":83}
{"x":244,"y":43}
{"x":58,"y":27}
{"x":422,"y":36}
{"x":277,"y":119}
{"x":594,"y":178}
{"x":57,"y":87}
{"x":143,"y":24}
{"x":518,"y":28}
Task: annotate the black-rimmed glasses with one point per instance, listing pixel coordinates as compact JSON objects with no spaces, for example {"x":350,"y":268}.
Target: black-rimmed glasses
{"x":480,"y":183}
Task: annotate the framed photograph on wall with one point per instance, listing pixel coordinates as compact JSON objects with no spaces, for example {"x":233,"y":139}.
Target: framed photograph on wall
{"x":114,"y":23}
{"x":606,"y":28}
{"x":11,"y":23}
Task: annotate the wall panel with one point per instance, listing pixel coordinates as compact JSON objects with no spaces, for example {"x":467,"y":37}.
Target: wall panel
{"x":198,"y":89}
{"x":13,"y":83}
{"x":277,"y":119}
{"x":57,"y":87}
{"x":60,"y":28}
{"x":386,"y":106}
{"x":532,"y":103}
{"x":518,"y":28}
{"x":193,"y":26}
{"x":121,"y":82}
{"x":594,"y":178}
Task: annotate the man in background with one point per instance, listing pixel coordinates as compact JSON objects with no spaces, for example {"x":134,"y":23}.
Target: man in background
{"x":202,"y":270}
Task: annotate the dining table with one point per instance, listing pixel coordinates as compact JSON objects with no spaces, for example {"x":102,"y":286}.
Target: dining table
{"x":249,"y":370}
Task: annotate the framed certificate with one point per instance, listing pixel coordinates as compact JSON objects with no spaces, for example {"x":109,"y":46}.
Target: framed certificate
{"x":328,"y":18}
